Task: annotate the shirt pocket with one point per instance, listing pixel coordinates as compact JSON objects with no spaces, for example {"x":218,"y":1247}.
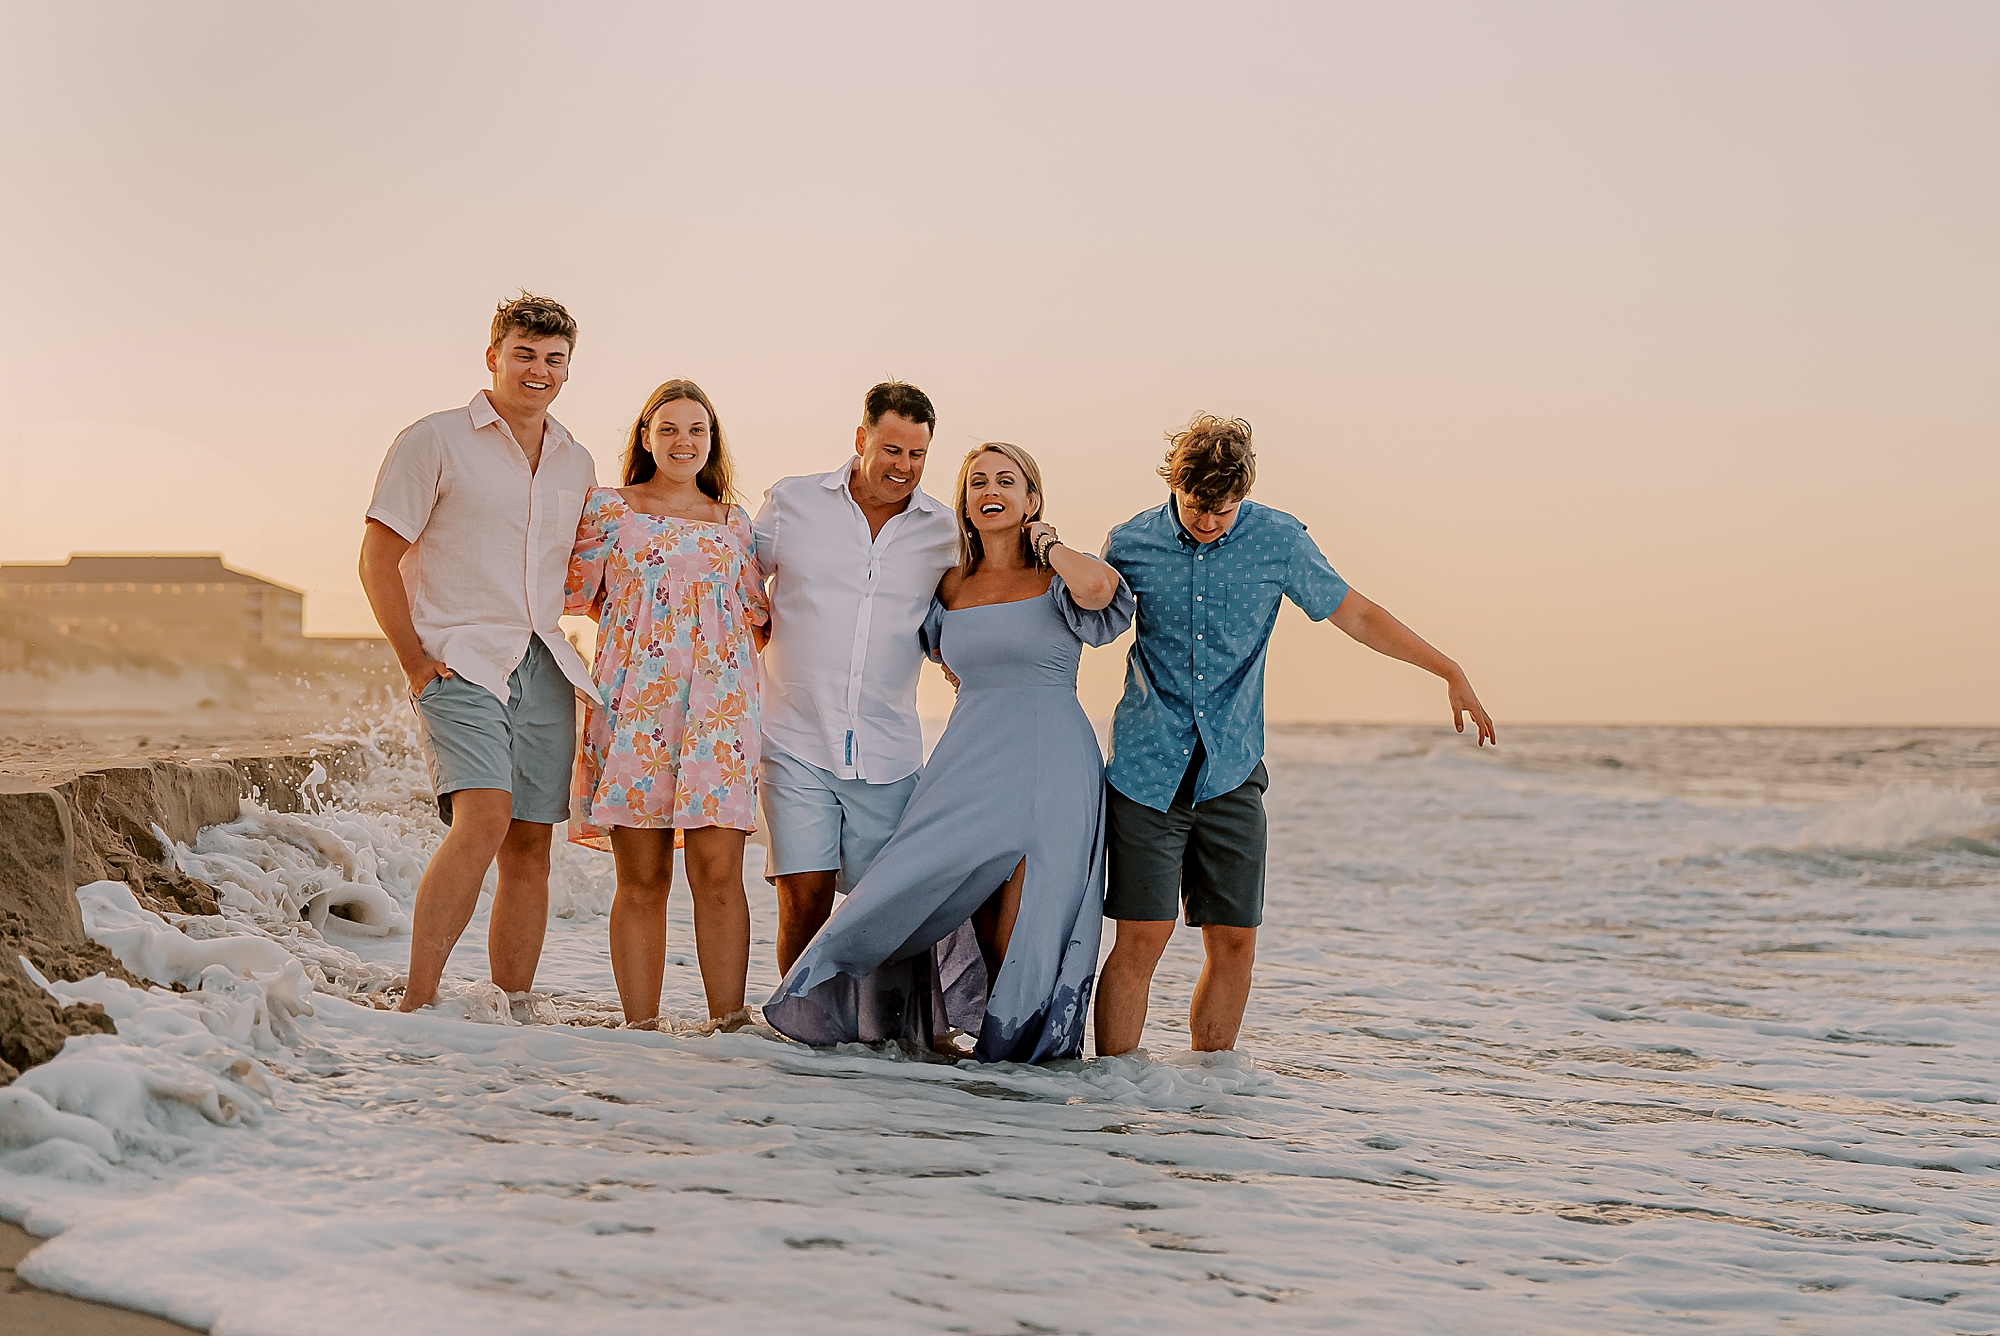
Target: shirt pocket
{"x":1252,"y":604}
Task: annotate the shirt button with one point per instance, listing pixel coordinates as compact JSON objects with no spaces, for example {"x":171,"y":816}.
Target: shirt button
{"x":1197,"y":677}
{"x":1197,"y":598}
{"x":1197,"y":558}
{"x":1198,"y":714}
{"x":1184,"y":751}
{"x":1197,"y":635}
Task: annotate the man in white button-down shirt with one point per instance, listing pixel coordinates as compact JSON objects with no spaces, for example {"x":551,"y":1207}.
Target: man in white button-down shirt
{"x":466,"y":546}
{"x":853,"y":558}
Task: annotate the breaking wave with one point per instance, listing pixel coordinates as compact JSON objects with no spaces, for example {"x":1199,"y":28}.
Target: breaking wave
{"x":1904,"y":814}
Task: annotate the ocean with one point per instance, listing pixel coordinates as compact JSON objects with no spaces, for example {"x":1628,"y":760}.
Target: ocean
{"x":1608,"y":1029}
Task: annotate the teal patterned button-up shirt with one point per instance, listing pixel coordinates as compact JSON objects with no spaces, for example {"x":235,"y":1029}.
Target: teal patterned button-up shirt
{"x":1197,"y":668}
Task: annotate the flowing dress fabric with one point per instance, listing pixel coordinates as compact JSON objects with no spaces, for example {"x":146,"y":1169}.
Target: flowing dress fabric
{"x":1018,"y":774}
{"x":674,"y":743}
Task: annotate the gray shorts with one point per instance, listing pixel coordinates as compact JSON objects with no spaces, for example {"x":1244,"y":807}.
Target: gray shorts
{"x":818,"y":822}
{"x":1205,"y":857}
{"x":525,"y":747}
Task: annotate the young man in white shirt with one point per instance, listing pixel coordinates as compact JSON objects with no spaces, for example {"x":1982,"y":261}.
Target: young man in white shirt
{"x":853,"y":558}
{"x":467,"y":501}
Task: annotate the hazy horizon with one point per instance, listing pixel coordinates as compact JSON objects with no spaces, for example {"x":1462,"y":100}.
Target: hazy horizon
{"x":1639,"y":359}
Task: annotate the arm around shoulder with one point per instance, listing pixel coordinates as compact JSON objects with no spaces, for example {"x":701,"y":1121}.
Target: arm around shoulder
{"x":583,"y":583}
{"x":1092,"y":583}
{"x":764,"y":534}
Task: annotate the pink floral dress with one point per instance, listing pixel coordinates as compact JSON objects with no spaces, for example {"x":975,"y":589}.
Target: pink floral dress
{"x":674,"y":601}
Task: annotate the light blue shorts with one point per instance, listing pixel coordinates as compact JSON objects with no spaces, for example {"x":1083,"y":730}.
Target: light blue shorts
{"x":817,"y":822}
{"x":525,"y":747}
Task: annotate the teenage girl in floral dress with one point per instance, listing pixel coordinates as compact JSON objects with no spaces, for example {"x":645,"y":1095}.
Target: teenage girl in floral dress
{"x":665,"y":565}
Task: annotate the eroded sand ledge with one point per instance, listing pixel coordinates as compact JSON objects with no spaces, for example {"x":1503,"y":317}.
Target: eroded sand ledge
{"x":62,"y":828}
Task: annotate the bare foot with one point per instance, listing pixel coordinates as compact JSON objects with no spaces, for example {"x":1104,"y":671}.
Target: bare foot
{"x":729,"y":1024}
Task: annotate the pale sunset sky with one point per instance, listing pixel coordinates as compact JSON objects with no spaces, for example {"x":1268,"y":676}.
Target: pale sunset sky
{"x":1645,"y":358}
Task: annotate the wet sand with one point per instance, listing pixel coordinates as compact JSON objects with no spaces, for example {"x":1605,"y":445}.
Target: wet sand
{"x":27,"y":1311}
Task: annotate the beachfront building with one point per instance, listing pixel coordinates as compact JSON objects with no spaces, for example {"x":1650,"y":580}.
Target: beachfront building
{"x":191,"y":608}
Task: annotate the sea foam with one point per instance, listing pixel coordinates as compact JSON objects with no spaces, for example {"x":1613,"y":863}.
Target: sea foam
{"x":1903,"y":814}
{"x":1511,"y":1063}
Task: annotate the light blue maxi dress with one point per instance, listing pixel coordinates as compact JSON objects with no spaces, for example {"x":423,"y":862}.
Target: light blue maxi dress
{"x":1018,"y":774}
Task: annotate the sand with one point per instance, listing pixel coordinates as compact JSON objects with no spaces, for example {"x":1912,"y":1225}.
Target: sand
{"x":27,"y":1311}
{"x":285,"y":714}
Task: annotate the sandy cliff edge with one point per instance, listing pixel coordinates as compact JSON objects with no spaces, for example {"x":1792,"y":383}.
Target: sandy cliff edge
{"x":62,"y":827}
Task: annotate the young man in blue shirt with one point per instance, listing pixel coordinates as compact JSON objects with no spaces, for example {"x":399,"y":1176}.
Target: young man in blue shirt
{"x":1185,"y":813}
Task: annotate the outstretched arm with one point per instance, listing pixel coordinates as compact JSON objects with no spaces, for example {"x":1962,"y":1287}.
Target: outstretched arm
{"x":1373,"y":626}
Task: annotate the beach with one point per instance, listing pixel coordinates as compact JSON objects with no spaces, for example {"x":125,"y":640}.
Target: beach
{"x":1636,"y":1029}
{"x":27,"y":1311}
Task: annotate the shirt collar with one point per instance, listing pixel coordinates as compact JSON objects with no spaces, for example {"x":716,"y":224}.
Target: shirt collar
{"x":483,"y":414}
{"x":919,"y":498}
{"x":482,"y":410}
{"x":1188,"y":540}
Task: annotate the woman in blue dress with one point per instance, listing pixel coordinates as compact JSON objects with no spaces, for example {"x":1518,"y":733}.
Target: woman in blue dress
{"x":982,"y":913}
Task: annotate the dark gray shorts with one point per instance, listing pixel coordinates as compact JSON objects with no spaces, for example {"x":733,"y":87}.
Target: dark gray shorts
{"x":1207,"y":857}
{"x":525,"y":747}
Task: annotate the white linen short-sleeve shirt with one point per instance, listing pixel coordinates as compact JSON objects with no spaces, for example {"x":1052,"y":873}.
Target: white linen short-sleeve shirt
{"x":490,"y":540}
{"x":840,"y":673}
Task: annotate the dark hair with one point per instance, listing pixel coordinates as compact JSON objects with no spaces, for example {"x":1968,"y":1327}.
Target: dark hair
{"x":1211,"y":461}
{"x":714,"y":479}
{"x":536,"y":317}
{"x":893,"y":396}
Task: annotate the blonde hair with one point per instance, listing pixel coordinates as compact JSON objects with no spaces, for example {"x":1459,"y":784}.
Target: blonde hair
{"x":970,"y":550}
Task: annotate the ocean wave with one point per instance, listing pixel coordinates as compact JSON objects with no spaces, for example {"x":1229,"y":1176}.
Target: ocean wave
{"x":1905,"y":815}
{"x":1343,"y":745}
{"x":1928,"y":831}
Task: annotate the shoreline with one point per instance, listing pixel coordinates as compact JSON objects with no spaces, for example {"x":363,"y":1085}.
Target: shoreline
{"x":26,"y":1310}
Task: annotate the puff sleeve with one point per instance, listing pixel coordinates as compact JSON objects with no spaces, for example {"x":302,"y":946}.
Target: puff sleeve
{"x":750,"y":580}
{"x":931,"y":633}
{"x":583,"y":588}
{"x":1098,"y":626}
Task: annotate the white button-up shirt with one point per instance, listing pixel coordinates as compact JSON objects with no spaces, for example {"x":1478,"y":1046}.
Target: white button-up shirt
{"x":840,"y":675}
{"x":490,"y":540}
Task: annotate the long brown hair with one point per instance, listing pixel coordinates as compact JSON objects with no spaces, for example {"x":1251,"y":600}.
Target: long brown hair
{"x":716,"y":477}
{"x":971,"y":551}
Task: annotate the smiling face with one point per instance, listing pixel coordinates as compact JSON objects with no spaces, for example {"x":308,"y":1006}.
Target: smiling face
{"x":892,"y":454}
{"x":678,"y":437}
{"x":1207,"y":525}
{"x":528,"y":372}
{"x":998,"y":499}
